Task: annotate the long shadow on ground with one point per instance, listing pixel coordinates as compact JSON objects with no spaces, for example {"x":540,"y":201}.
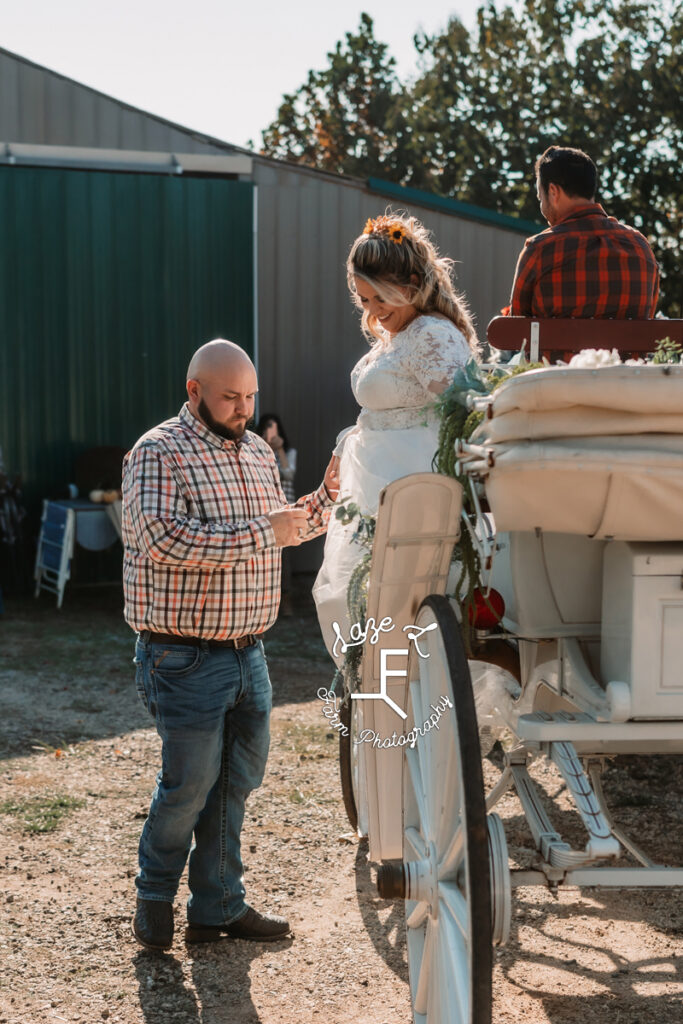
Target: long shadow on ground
{"x":67,"y":675}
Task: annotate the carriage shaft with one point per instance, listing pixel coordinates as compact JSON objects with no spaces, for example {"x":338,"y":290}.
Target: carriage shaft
{"x":637,"y":878}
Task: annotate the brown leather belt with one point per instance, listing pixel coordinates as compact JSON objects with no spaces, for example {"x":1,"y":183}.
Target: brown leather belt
{"x":236,"y":643}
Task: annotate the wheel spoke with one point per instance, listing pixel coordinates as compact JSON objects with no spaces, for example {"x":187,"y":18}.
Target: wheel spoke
{"x":421,"y":996}
{"x":415,"y":773}
{"x":422,"y":744}
{"x":435,"y":1010}
{"x":416,"y":843}
{"x":441,"y":754}
{"x":444,"y":1002}
{"x":455,"y":904}
{"x":416,"y":917}
{"x":452,"y":858}
{"x":455,"y":963}
{"x":411,"y":811}
{"x":450,"y":809}
{"x":415,"y":941}
{"x":435,"y":751}
{"x":416,"y":701}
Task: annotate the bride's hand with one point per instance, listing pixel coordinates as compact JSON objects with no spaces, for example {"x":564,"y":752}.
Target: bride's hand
{"x":331,"y":480}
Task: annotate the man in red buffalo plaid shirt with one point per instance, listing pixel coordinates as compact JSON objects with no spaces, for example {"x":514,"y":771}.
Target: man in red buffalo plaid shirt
{"x":585,"y":264}
{"x":204,"y":521}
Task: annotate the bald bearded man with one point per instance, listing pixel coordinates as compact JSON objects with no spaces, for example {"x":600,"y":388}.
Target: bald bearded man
{"x":204,"y":521}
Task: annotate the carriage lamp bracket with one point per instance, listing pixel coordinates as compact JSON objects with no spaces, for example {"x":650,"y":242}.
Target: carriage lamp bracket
{"x":480,"y":403}
{"x":485,"y":545}
{"x":466,"y":452}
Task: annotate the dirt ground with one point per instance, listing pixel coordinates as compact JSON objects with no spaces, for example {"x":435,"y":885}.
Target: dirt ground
{"x":79,"y":758}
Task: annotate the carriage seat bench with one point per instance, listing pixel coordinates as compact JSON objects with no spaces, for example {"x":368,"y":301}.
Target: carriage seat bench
{"x":561,"y":338}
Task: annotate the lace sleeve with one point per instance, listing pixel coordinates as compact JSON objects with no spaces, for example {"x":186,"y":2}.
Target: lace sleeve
{"x":434,"y":354}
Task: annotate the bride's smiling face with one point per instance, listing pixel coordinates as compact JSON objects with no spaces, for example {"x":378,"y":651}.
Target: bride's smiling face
{"x":392,"y":319}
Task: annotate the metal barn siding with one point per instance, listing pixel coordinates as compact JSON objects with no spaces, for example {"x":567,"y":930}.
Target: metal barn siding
{"x":108,"y":283}
{"x":309,"y":332}
{"x":41,"y":106}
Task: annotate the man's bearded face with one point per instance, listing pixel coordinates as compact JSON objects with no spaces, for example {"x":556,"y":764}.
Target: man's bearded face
{"x":231,"y":433}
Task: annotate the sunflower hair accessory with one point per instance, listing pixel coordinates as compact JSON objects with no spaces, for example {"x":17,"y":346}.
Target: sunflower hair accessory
{"x":393,"y":229}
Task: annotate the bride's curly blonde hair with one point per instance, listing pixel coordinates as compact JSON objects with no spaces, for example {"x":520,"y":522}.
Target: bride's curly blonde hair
{"x":396,"y":252}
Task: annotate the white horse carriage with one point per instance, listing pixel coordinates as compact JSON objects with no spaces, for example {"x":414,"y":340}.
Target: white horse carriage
{"x":582,"y":470}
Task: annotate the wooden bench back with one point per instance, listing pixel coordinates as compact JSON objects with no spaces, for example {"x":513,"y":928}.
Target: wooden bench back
{"x":560,"y":339}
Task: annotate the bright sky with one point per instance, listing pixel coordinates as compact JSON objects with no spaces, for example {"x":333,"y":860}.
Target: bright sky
{"x":218,"y":66}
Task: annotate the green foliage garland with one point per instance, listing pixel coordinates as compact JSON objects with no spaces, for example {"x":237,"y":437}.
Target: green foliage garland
{"x":357,"y":603}
{"x":357,"y":592}
{"x":667,"y":351}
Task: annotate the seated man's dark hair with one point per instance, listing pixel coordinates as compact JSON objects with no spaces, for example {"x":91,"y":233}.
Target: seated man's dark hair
{"x":571,"y":169}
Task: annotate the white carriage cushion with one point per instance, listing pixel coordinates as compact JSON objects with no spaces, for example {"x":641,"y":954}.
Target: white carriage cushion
{"x":627,"y":488}
{"x":644,"y":389}
{"x":574,"y":421}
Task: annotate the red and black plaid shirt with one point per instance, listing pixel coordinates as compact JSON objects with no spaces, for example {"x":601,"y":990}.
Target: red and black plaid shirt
{"x":588,"y":265}
{"x":199,"y":554}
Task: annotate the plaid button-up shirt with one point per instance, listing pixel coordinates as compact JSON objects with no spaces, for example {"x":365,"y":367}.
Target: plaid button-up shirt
{"x":588,"y":265}
{"x":199,"y":554}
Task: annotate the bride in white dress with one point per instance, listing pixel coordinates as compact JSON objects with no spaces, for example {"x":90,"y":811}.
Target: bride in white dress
{"x":420,"y":332}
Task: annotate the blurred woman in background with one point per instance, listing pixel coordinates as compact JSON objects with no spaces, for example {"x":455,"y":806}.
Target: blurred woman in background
{"x":271,"y":430}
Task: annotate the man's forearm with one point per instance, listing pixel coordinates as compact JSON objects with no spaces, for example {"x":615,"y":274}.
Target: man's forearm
{"x":196,"y":544}
{"x":318,"y":505}
{"x":157,"y":514}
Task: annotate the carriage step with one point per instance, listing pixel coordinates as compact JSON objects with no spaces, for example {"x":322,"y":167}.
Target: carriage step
{"x":546,"y":725}
{"x":568,"y":725}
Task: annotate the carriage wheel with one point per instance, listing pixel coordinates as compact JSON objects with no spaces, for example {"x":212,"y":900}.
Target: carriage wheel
{"x":446,"y":845}
{"x":352,"y":769}
{"x":348,"y":764}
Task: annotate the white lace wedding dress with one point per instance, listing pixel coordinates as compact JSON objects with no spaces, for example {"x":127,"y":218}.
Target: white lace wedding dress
{"x":396,"y":434}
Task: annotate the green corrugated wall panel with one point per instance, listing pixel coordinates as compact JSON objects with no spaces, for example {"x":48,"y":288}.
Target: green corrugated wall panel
{"x":108,"y":283}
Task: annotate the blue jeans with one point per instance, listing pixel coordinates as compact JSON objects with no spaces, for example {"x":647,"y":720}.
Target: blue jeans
{"x":211,"y":707}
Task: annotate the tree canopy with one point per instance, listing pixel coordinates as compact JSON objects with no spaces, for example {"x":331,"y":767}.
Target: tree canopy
{"x":602,"y":75}
{"x":347,"y":118}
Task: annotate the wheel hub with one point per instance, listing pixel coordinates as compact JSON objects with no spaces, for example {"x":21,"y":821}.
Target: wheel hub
{"x":411,"y":880}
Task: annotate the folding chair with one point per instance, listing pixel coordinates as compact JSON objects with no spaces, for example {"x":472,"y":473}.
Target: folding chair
{"x":55,"y":549}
